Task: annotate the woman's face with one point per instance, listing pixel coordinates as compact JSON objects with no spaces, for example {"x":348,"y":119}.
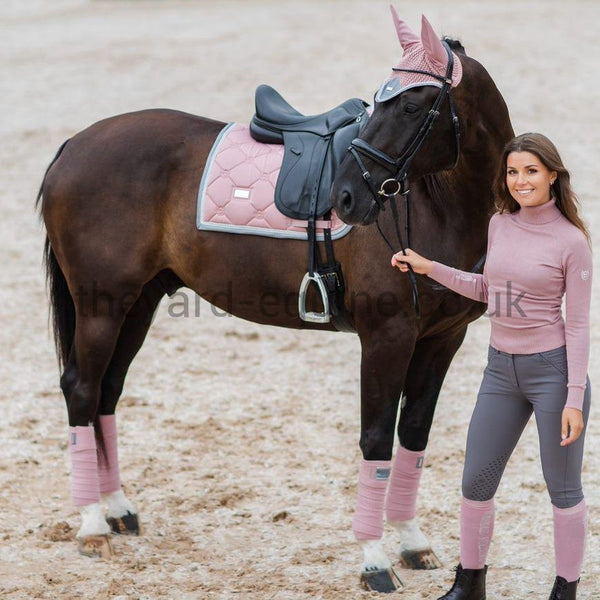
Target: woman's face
{"x":527,"y":179}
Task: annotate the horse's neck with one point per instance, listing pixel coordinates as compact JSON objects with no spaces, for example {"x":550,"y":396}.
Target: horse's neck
{"x":463,"y":211}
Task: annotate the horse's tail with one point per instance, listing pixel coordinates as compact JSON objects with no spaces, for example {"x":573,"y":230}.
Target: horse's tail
{"x":58,"y":153}
{"x":62,"y":307}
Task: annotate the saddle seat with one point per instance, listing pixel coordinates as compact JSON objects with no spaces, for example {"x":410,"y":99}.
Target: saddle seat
{"x":274,"y":115}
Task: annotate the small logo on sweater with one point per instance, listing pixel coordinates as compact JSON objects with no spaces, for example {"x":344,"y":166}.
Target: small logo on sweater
{"x":585,"y":275}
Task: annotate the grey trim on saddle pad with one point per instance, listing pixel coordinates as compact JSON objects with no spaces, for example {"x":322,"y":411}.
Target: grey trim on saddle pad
{"x":246,"y":229}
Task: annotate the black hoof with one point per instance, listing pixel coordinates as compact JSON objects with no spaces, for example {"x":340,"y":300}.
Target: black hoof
{"x":419,"y":559}
{"x":383,"y":580}
{"x":126,"y":525}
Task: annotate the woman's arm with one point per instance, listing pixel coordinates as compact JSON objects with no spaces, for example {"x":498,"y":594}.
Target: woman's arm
{"x":471,"y":285}
{"x":577,"y":265}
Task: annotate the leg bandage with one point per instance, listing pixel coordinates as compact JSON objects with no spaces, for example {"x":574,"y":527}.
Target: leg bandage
{"x":476,"y":529}
{"x":570,"y":532}
{"x":108,"y":467}
{"x":401,"y":503}
{"x":85,"y":488}
{"x":372,"y":485}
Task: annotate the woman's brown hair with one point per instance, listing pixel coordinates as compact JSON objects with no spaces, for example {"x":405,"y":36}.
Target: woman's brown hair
{"x":561,"y":191}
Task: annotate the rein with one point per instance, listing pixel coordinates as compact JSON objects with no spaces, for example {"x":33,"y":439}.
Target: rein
{"x":398,"y":184}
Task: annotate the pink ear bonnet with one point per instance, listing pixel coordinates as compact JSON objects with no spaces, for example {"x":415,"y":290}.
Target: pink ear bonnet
{"x":424,"y":53}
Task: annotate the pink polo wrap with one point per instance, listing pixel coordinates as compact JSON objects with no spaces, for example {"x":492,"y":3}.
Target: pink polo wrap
{"x":402,"y":494}
{"x":85,"y":487}
{"x":108,"y":467}
{"x":372,"y":485}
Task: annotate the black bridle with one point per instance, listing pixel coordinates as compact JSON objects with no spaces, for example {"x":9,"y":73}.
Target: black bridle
{"x":397,"y":185}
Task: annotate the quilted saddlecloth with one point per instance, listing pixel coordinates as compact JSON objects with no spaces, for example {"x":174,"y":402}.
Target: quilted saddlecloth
{"x":237,"y":190}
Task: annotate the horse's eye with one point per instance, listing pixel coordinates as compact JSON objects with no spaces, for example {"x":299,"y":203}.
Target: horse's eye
{"x":411,"y":108}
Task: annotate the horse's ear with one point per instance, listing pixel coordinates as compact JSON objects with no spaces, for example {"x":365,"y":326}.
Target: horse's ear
{"x":432,"y":43}
{"x":406,"y":35}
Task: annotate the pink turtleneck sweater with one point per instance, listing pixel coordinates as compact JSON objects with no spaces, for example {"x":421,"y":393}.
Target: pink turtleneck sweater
{"x":534,"y":257}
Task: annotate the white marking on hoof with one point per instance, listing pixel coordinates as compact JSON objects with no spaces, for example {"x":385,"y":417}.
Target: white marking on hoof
{"x":415,"y":550}
{"x":375,"y":558}
{"x":411,"y":537}
{"x":93,"y":522}
{"x":117,"y":505}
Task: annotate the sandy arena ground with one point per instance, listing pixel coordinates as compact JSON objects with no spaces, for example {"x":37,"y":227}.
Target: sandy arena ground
{"x":239,"y":442}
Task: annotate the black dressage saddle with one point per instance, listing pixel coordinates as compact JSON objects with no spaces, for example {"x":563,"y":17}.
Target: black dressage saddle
{"x":314,"y":147}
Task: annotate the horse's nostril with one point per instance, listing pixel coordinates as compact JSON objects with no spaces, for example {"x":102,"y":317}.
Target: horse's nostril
{"x":346,"y":203}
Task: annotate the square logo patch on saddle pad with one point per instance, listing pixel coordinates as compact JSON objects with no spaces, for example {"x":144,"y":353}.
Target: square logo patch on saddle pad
{"x":237,"y":191}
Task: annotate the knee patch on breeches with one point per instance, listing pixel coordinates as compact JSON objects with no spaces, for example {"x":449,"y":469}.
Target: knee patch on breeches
{"x":481,"y":485}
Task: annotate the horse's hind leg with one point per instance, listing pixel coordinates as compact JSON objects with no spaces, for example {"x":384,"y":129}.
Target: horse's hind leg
{"x":95,"y":337}
{"x":121,"y":513}
{"x":426,"y":372}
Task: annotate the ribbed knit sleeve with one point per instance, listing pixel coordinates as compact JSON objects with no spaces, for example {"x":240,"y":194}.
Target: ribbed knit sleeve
{"x":470,"y":285}
{"x":577,"y":266}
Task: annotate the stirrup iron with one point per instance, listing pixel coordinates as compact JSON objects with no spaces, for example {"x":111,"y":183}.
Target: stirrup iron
{"x":313,"y":317}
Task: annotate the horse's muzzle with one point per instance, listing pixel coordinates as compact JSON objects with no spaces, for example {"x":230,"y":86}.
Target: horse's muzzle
{"x":353,"y":212}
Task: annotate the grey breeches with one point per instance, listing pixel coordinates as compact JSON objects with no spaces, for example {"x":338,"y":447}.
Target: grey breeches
{"x":513,"y":387}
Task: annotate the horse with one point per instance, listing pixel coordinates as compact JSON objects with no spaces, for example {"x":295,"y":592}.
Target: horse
{"x":118,"y":202}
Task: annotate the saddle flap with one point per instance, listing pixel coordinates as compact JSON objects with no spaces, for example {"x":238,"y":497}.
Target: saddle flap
{"x":308,"y":168}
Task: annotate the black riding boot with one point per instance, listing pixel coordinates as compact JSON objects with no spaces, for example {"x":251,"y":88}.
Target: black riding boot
{"x":469,"y":584}
{"x":563,"y":590}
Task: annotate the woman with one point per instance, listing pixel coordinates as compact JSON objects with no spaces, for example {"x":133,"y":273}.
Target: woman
{"x":538,"y":250}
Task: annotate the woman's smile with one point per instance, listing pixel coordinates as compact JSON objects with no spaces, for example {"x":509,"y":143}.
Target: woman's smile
{"x":528,"y":179}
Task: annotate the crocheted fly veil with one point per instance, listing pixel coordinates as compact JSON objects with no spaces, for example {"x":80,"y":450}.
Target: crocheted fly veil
{"x":421,"y":53}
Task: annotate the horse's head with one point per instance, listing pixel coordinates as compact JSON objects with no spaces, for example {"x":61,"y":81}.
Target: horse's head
{"x":414,"y":128}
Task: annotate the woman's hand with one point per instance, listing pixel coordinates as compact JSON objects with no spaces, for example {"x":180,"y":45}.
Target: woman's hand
{"x":571,"y":425}
{"x":420,"y":264}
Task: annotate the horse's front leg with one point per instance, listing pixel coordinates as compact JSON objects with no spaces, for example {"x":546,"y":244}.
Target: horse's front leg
{"x":426,"y":372}
{"x":385,"y":358}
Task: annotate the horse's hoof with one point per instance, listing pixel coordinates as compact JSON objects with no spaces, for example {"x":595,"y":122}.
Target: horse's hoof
{"x":95,"y":546}
{"x":128,"y":524}
{"x":381,"y":580}
{"x":419,"y":559}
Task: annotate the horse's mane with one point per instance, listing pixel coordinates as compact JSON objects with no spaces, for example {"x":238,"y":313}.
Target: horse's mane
{"x":438,"y":191}
{"x":455,"y":45}
{"x":437,"y":184}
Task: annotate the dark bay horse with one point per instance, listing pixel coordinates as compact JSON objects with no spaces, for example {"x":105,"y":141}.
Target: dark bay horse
{"x":119,"y":205}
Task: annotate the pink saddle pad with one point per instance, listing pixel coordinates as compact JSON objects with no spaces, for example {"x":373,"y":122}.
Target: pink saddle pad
{"x":237,"y":191}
